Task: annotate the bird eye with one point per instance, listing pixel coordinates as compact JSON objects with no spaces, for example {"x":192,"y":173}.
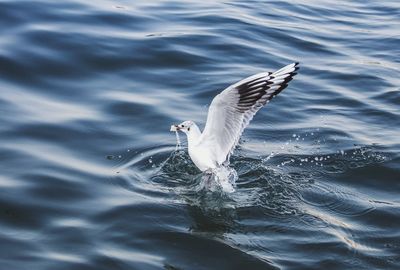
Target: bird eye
{"x":188,"y":128}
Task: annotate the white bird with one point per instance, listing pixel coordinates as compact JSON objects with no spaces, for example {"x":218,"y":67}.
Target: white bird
{"x":229,"y":114}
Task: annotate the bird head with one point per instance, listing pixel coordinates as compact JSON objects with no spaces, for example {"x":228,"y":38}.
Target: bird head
{"x":184,"y":126}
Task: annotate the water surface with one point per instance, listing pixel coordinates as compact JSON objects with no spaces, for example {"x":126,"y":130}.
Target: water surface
{"x":90,"y":178}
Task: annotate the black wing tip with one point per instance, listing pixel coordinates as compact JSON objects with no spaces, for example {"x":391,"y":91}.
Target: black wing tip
{"x":286,"y":81}
{"x":247,"y":100}
{"x":296,"y":68}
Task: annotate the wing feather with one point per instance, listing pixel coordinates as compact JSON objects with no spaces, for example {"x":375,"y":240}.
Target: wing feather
{"x":232,"y":110}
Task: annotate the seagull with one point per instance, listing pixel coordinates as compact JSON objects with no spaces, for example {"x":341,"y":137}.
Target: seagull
{"x":229,"y":114}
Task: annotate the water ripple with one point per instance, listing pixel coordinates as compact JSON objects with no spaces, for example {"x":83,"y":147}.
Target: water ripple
{"x":90,"y":177}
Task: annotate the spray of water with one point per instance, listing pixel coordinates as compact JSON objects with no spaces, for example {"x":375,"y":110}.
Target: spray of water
{"x":178,"y":141}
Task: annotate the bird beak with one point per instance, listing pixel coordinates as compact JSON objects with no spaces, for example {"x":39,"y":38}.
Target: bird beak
{"x":174,"y":128}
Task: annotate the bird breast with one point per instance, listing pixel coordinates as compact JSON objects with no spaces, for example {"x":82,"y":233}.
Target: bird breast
{"x":202,"y":157}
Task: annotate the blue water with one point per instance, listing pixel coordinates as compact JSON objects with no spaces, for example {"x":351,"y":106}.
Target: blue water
{"x":89,"y":174}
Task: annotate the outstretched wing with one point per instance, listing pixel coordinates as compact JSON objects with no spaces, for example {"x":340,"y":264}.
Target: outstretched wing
{"x":231,"y":111}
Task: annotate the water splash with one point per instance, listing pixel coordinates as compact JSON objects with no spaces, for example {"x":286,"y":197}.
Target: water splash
{"x":178,"y":141}
{"x":221,"y":178}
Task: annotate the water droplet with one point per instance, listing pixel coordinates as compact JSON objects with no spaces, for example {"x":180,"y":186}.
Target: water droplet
{"x":178,"y":141}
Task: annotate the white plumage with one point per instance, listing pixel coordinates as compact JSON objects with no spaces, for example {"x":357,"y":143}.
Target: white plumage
{"x":229,"y":114}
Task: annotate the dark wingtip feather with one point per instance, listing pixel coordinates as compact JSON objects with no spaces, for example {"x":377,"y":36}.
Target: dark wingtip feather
{"x":250,"y":92}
